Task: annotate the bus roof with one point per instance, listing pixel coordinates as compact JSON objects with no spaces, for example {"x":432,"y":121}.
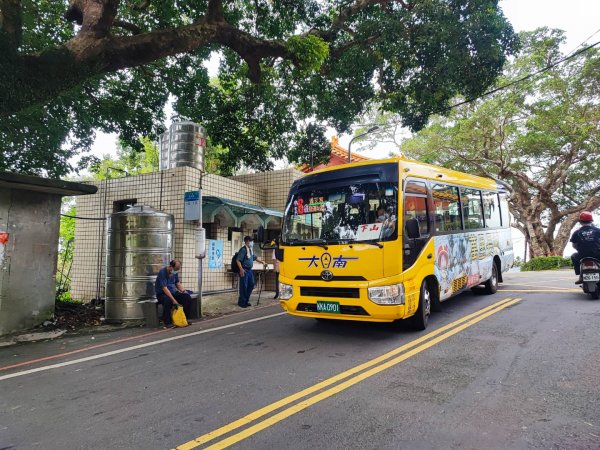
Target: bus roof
{"x":423,"y":170}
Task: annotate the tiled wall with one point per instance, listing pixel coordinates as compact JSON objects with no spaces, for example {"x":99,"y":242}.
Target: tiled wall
{"x":233,"y":189}
{"x":276,"y":184}
{"x":161,"y":190}
{"x":164,"y":191}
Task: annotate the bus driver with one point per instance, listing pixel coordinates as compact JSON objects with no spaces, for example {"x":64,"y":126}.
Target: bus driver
{"x":388,"y":221}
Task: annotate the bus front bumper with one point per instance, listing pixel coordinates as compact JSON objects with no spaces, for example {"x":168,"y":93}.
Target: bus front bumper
{"x":340,"y":308}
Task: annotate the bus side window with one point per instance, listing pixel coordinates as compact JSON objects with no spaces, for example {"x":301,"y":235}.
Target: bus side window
{"x":491,"y":210}
{"x":415,"y":205}
{"x":447,"y":212}
{"x":472,"y":210}
{"x":504,"y":210}
{"x":415,"y":208}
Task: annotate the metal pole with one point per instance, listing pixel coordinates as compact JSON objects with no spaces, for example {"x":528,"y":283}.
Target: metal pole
{"x":102,"y":232}
{"x":370,"y":130}
{"x":200,"y":260}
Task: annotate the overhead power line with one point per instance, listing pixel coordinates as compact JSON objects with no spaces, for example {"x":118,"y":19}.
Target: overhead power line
{"x":519,"y":80}
{"x":585,"y":41}
{"x":509,"y":84}
{"x":83,"y":218}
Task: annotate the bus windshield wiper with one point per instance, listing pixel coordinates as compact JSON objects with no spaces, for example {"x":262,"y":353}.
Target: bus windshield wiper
{"x":377,"y":244}
{"x":293,"y":242}
{"x":319,"y":242}
{"x":351,"y":242}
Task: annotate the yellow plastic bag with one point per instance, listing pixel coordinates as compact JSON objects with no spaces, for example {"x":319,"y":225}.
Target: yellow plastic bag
{"x":178,"y":317}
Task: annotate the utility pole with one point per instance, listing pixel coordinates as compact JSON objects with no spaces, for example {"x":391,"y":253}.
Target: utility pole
{"x":200,"y":243}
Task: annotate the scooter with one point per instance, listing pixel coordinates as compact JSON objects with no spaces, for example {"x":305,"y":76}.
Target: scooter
{"x":590,"y":274}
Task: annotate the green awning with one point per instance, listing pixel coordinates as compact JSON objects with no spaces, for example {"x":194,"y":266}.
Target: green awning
{"x":211,"y":205}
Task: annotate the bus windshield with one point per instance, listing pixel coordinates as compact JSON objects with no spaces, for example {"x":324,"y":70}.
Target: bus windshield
{"x":360,"y":212}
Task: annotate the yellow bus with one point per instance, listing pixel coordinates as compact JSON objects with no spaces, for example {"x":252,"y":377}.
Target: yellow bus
{"x":390,"y":239}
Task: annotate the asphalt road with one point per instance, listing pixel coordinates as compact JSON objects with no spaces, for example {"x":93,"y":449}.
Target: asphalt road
{"x":489,"y":373}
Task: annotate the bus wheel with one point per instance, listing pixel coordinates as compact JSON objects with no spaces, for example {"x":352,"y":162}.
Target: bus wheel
{"x":421,"y":318}
{"x":436,"y":304}
{"x":491,"y":285}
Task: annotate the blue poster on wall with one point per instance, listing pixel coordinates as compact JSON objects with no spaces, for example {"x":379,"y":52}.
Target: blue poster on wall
{"x":215,"y":254}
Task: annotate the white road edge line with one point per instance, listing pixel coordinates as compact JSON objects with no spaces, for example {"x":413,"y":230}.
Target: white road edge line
{"x":135,"y":347}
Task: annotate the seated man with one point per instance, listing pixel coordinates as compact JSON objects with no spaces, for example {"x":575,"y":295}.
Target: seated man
{"x":169,"y":292}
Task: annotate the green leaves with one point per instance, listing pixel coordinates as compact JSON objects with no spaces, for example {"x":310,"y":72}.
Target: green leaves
{"x":322,"y":62}
{"x":311,"y":146}
{"x":540,"y":135}
{"x":128,"y":162}
{"x":308,"y":52}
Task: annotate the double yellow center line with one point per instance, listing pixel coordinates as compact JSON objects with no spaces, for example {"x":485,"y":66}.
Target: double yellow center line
{"x":351,"y":376}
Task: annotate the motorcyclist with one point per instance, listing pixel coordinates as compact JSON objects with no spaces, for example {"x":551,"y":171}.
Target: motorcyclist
{"x":586,"y":240}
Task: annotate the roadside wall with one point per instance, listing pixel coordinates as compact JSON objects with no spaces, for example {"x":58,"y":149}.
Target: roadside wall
{"x":27,"y":258}
{"x":164,"y":191}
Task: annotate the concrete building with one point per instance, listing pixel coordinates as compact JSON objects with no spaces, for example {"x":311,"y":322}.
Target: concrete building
{"x":29,"y":227}
{"x":232,"y":208}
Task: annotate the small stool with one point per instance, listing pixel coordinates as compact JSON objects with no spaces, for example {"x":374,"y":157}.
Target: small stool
{"x":196,"y":307}
{"x":150,"y":311}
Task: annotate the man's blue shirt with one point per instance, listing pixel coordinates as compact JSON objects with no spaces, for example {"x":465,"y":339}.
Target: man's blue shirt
{"x":245,"y":259}
{"x":164,"y":279}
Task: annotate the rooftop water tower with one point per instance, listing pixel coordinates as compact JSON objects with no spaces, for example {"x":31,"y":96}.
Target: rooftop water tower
{"x":183,"y":144}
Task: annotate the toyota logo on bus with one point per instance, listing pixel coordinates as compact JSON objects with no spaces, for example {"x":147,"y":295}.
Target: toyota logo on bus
{"x":327,"y":275}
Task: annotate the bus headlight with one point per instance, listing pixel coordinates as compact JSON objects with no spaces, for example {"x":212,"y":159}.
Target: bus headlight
{"x":285,"y":291}
{"x":387,"y":295}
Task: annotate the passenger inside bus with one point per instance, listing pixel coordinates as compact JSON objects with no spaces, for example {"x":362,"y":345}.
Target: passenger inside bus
{"x":388,"y":221}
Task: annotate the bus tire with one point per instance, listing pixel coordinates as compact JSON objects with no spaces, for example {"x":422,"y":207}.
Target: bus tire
{"x":491,"y":285}
{"x":436,"y":303}
{"x":421,"y":318}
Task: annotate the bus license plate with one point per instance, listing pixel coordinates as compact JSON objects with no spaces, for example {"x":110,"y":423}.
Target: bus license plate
{"x":328,"y":307}
{"x":591,"y":277}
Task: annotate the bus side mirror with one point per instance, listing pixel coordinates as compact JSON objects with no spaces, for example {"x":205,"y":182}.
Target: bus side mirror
{"x":279,"y":254}
{"x":412,"y":229}
{"x":260,"y":236}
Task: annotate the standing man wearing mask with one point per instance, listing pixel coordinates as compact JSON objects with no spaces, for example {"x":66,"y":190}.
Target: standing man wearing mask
{"x":170,"y":292}
{"x":245,"y":260}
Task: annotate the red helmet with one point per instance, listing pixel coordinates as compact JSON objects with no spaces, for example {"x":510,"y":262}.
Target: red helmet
{"x":586,"y":216}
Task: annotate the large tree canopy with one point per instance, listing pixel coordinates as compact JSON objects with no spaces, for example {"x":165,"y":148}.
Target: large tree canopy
{"x":69,"y":68}
{"x":540,"y":136}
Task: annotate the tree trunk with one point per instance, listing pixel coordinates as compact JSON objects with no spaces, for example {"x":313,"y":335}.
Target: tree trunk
{"x":537,"y":240}
{"x":564,"y":233}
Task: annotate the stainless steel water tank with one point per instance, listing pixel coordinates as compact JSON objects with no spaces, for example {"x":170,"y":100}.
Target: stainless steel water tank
{"x":182,"y":145}
{"x":139,"y":244}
